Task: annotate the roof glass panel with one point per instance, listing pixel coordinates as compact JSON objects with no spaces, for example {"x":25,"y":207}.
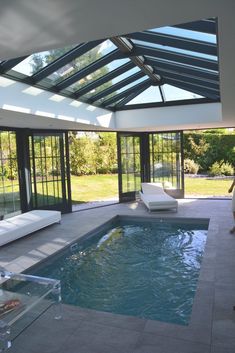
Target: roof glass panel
{"x":172,"y":62}
{"x":174,"y":50}
{"x":112,"y":82}
{"x":120,"y":90}
{"x":81,"y":62}
{"x":150,"y":95}
{"x":211,"y":38}
{"x":38,"y":61}
{"x":172,"y":93}
{"x":97,"y":74}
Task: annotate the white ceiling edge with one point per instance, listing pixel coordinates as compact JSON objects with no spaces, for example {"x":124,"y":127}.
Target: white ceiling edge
{"x":25,"y":106}
{"x":179,"y":117}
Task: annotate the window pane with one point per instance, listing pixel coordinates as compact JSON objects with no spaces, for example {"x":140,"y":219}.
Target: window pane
{"x":36,"y":62}
{"x":81,"y":62}
{"x":173,"y":93}
{"x":150,"y":95}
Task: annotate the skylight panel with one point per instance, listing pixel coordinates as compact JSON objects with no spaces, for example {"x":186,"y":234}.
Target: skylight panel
{"x":210,"y":38}
{"x":124,"y":88}
{"x":175,"y":50}
{"x":82,"y":61}
{"x":97,"y":74}
{"x":172,"y":93}
{"x":38,"y":61}
{"x":150,"y":95}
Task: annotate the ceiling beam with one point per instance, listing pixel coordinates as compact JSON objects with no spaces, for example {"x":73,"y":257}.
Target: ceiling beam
{"x":205,"y":26}
{"x":115,"y":54}
{"x":181,"y":68}
{"x":108,"y":77}
{"x":190,"y":79}
{"x":175,"y":41}
{"x":9,"y":64}
{"x":130,"y":97}
{"x":126,"y":47}
{"x":202,"y":91}
{"x":176,"y":57}
{"x":124,"y":94}
{"x":117,"y":86}
{"x":64,"y":59}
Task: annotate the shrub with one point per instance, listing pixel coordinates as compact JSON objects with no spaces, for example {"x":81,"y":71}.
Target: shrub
{"x":227,"y":169}
{"x":190,"y":167}
{"x":221,"y":168}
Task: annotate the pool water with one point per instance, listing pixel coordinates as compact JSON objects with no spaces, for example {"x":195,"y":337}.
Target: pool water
{"x":142,"y":268}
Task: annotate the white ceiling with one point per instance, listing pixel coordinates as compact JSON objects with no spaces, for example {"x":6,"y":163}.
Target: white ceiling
{"x":30,"y":26}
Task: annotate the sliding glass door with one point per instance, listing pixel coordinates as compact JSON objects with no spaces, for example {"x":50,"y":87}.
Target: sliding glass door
{"x":48,"y":171}
{"x":129,"y":166}
{"x":9,"y":178}
{"x":150,"y":157}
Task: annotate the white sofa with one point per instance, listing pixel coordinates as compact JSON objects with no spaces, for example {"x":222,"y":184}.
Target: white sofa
{"x":18,"y":226}
{"x":155,"y":198}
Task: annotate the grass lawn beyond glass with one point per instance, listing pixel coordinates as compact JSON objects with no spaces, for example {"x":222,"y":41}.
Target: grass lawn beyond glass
{"x":105,"y":186}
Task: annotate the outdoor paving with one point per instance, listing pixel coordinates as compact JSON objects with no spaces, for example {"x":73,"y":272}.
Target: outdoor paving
{"x":212,"y":325}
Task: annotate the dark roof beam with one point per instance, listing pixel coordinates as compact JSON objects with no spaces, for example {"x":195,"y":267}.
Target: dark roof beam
{"x":202,"y":91}
{"x":116,"y":54}
{"x":183,"y":69}
{"x":65,"y":59}
{"x":123,"y":94}
{"x":176,"y":57}
{"x":117,"y":86}
{"x":130,"y":97}
{"x":175,"y":41}
{"x":126,"y":47}
{"x":190,"y":79}
{"x":206,"y":26}
{"x":108,"y":77}
{"x":9,"y":64}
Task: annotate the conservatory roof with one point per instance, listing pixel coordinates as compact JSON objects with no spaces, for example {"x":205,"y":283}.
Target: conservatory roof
{"x":155,"y":67}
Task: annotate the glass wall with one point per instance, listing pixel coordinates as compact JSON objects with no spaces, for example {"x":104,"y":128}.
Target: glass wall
{"x":166,"y":159}
{"x":48,"y":170}
{"x":129,"y":154}
{"x":9,"y":179}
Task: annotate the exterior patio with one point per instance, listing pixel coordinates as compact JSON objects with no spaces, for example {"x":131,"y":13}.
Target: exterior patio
{"x":212,"y":325}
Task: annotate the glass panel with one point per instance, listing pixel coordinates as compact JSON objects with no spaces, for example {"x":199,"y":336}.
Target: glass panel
{"x":46,"y":170}
{"x":130,"y":163}
{"x":97,"y":74}
{"x":120,"y":90}
{"x":36,"y":62}
{"x":175,"y":50}
{"x":150,"y":95}
{"x":211,"y":38}
{"x":81,"y":62}
{"x":165,"y":159}
{"x":9,"y":181}
{"x":173,"y":93}
{"x":112,"y":82}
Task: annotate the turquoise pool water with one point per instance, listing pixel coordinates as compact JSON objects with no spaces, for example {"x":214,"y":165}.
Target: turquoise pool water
{"x":145,"y":268}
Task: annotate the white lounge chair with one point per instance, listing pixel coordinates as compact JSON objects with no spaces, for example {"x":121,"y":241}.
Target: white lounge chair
{"x":23,"y":224}
{"x":155,"y":198}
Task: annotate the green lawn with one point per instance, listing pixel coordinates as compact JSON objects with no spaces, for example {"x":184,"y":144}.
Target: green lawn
{"x":207,"y":187}
{"x":100,"y":187}
{"x":94,"y":187}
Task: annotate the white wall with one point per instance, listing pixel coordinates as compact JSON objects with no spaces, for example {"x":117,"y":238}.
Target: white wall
{"x":25,"y":106}
{"x":170,"y":118}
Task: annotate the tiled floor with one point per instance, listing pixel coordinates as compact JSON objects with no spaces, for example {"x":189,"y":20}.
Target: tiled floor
{"x":212,"y":325}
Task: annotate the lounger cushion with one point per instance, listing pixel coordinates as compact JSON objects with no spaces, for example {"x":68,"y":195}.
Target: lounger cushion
{"x":155,"y":198}
{"x":26,"y":223}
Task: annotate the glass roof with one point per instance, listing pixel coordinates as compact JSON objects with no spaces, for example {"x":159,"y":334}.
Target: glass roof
{"x":36,"y":62}
{"x":156,"y":66}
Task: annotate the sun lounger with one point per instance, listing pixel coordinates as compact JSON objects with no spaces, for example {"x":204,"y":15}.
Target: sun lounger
{"x":18,"y":226}
{"x":155,"y":198}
